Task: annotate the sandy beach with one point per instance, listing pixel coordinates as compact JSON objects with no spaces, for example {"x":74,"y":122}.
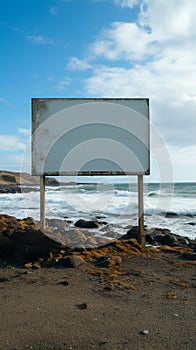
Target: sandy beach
{"x":148,"y":302}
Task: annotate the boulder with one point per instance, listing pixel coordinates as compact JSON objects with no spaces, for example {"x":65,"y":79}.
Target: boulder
{"x":86,"y":224}
{"x":23,"y":239}
{"x":51,"y":182}
{"x":71,"y":261}
{"x":132,"y":233}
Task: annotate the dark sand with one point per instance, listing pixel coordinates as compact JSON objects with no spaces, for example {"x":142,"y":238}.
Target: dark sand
{"x":74,"y":308}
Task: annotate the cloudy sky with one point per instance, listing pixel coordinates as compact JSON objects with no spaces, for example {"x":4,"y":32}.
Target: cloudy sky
{"x":102,"y":48}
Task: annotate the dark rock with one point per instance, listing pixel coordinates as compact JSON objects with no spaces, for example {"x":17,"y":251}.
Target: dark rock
{"x":167,"y":239}
{"x":108,"y":261}
{"x":132,"y":233}
{"x":51,"y":182}
{"x":158,"y":231}
{"x":189,"y":256}
{"x":192,"y":245}
{"x":83,"y":306}
{"x":64,"y":283}
{"x":6,"y":245}
{"x":159,"y":236}
{"x":22,"y":238}
{"x":8,"y":178}
{"x":10,"y":189}
{"x":103,"y":222}
{"x":86,"y":224}
{"x":183,"y":241}
{"x":171,"y":214}
{"x":71,"y":261}
{"x":191,"y":223}
{"x":149,"y":239}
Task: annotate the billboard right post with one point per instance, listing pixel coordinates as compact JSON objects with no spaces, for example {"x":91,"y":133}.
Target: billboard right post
{"x":141,"y":236}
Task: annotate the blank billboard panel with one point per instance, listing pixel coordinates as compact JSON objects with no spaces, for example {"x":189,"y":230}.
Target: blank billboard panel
{"x":90,"y":136}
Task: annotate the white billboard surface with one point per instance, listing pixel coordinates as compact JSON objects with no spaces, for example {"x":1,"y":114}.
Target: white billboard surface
{"x":90,"y":136}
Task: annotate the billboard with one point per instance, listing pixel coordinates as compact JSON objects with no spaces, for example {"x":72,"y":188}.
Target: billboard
{"x":90,"y":136}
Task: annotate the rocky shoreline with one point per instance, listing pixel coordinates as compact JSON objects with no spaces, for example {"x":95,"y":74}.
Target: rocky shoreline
{"x":23,"y":240}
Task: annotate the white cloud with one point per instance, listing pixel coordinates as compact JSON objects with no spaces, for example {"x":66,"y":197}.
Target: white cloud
{"x":151,"y":34}
{"x":122,"y":41}
{"x":154,"y":57}
{"x":11,"y":143}
{"x":40,"y":40}
{"x":62,"y":84}
{"x":174,"y":19}
{"x":25,"y":132}
{"x":158,"y":63}
{"x":126,"y":3}
{"x":77,"y":64}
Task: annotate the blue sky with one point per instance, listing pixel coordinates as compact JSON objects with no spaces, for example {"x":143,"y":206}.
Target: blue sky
{"x":102,"y":48}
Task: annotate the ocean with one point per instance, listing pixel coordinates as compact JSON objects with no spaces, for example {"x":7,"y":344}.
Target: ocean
{"x":171,"y":206}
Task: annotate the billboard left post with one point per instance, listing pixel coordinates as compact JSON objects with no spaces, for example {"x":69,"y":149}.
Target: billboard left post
{"x":42,"y":202}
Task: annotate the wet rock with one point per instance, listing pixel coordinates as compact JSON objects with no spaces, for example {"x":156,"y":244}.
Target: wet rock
{"x":10,"y":189}
{"x":167,"y":239}
{"x":86,"y":224}
{"x":149,"y":239}
{"x":171,"y":215}
{"x":103,"y":222}
{"x":159,"y":236}
{"x":183,"y":241}
{"x":132,"y":233}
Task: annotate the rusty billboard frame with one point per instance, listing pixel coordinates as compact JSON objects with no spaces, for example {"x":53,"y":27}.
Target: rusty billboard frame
{"x":43,"y":101}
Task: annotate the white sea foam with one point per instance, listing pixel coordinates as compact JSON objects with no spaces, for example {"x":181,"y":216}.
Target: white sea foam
{"x":118,"y":203}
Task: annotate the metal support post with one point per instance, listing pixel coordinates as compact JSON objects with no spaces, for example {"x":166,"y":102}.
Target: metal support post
{"x":141,"y":236}
{"x":42,"y":202}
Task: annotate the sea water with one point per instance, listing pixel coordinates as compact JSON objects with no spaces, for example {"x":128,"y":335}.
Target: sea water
{"x":168,"y":205}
